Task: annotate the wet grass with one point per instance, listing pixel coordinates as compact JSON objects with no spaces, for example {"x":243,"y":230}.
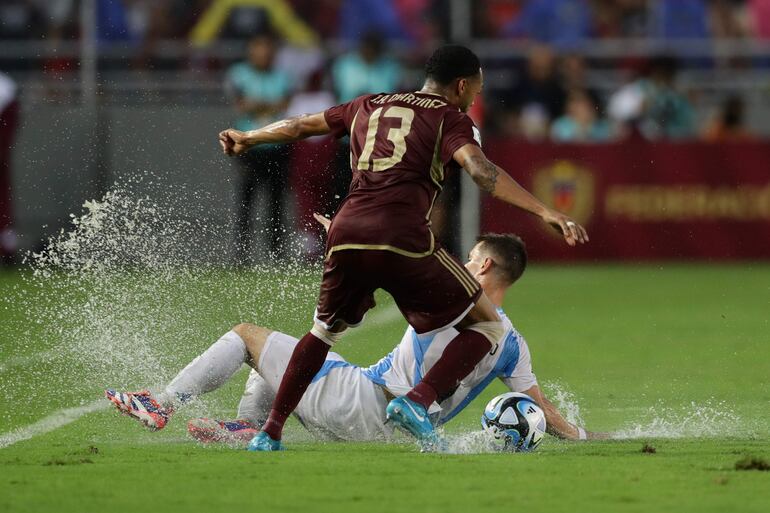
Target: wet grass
{"x":655,"y":351}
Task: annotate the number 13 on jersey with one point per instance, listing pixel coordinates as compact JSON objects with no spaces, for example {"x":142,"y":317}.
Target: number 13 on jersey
{"x":396,"y":135}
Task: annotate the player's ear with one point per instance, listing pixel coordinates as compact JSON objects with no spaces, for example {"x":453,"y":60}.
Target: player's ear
{"x":462,"y":85}
{"x":486,"y":265}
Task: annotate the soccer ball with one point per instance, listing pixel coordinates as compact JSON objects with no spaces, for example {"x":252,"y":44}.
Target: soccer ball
{"x":515,"y":421}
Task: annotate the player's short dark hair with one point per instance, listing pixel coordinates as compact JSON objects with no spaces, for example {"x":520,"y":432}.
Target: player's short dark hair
{"x":450,"y":62}
{"x":508,"y":252}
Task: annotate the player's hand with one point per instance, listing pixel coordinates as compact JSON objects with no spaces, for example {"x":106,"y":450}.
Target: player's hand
{"x":572,"y":231}
{"x":233,"y":142}
{"x":325,"y":221}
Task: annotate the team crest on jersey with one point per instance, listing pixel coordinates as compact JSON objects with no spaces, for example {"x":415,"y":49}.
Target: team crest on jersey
{"x":477,"y":135}
{"x":566,"y":187}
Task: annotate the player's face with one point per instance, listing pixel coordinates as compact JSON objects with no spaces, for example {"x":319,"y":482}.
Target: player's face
{"x":475,"y":261}
{"x":469,"y":89}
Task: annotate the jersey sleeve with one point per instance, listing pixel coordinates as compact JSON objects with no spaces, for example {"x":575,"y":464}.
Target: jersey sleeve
{"x":340,"y":117}
{"x":521,"y":378}
{"x":458,"y":130}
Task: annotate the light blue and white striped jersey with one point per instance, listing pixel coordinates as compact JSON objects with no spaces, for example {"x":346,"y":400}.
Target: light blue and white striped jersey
{"x":405,"y":366}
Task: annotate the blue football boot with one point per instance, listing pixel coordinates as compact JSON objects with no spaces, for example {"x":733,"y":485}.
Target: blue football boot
{"x":263,"y":443}
{"x":413,"y":418}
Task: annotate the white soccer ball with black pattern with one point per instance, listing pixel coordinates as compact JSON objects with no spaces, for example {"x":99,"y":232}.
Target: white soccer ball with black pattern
{"x":515,"y":421}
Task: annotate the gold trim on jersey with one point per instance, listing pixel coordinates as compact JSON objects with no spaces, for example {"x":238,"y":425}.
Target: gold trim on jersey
{"x":436,"y":168}
{"x":385,"y":247}
{"x":352,"y":129}
{"x":432,"y":204}
{"x":459,"y":272}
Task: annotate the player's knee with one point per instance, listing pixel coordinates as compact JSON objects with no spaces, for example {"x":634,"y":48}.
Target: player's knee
{"x":330,"y":336}
{"x":254,"y":337}
{"x":494,"y":331}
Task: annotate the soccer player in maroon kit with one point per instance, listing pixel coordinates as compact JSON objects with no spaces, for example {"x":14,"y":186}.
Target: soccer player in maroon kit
{"x":401,"y":147}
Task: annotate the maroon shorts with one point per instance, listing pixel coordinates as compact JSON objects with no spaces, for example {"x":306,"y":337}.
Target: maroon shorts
{"x":432,"y":292}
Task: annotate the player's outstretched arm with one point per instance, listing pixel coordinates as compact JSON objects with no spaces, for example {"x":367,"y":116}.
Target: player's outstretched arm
{"x":235,"y":142}
{"x":491,"y":178}
{"x":556,"y":424}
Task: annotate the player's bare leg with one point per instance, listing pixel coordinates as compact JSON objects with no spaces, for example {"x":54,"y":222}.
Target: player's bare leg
{"x":254,"y":337}
{"x":306,"y":360}
{"x":209,"y":371}
{"x":250,"y":418}
{"x":480,"y":332}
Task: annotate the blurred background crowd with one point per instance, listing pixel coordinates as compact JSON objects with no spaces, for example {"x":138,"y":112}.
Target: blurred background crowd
{"x":565,"y":70}
{"x":563,"y":22}
{"x":561,"y":71}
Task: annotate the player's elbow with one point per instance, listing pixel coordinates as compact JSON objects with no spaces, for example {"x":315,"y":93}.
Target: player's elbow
{"x":483,"y":172}
{"x":295,"y":128}
{"x":478,"y":178}
{"x":308,"y":125}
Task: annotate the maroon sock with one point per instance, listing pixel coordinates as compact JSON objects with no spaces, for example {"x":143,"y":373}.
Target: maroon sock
{"x":459,"y":358}
{"x":306,"y":361}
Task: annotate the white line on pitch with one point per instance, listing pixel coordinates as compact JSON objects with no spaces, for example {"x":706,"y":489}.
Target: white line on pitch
{"x":54,"y":421}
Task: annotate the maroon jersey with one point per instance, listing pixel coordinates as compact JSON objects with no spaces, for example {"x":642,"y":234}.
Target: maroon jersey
{"x":401,"y":147}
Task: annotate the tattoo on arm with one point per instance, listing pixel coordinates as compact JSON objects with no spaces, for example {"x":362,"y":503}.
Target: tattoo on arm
{"x":484,"y":172}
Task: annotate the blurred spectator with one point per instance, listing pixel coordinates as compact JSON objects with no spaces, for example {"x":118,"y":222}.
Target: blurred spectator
{"x":759,"y":11}
{"x":260,"y":92}
{"x":581,"y":122}
{"x":652,"y":105}
{"x":9,"y":116}
{"x":562,"y":23}
{"x":366,"y":70}
{"x":361,"y":17}
{"x":540,"y":84}
{"x":422,"y":19}
{"x":669,"y":111}
{"x":493,"y":16}
{"x":680,"y":19}
{"x":61,"y":24}
{"x":243,"y":18}
{"x":573,"y":77}
{"x":313,"y":98}
{"x":300,"y":63}
{"x":112,"y":21}
{"x":620,"y":18}
{"x":322,"y":15}
{"x":729,"y":124}
{"x":182,"y":16}
{"x":537,"y":98}
{"x":60,"y":17}
{"x":317,"y":182}
{"x":141,"y":22}
{"x":728,"y":19}
{"x":19,"y":19}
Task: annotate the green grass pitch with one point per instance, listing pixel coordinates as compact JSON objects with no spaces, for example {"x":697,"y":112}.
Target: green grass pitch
{"x":653,"y":349}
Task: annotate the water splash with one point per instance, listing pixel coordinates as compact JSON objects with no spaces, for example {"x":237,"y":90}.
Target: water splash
{"x":129,"y":292}
{"x":565,"y":401}
{"x":474,"y":442}
{"x":693,"y":421}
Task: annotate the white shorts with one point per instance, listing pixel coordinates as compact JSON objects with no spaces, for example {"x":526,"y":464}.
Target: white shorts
{"x":342,"y":404}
